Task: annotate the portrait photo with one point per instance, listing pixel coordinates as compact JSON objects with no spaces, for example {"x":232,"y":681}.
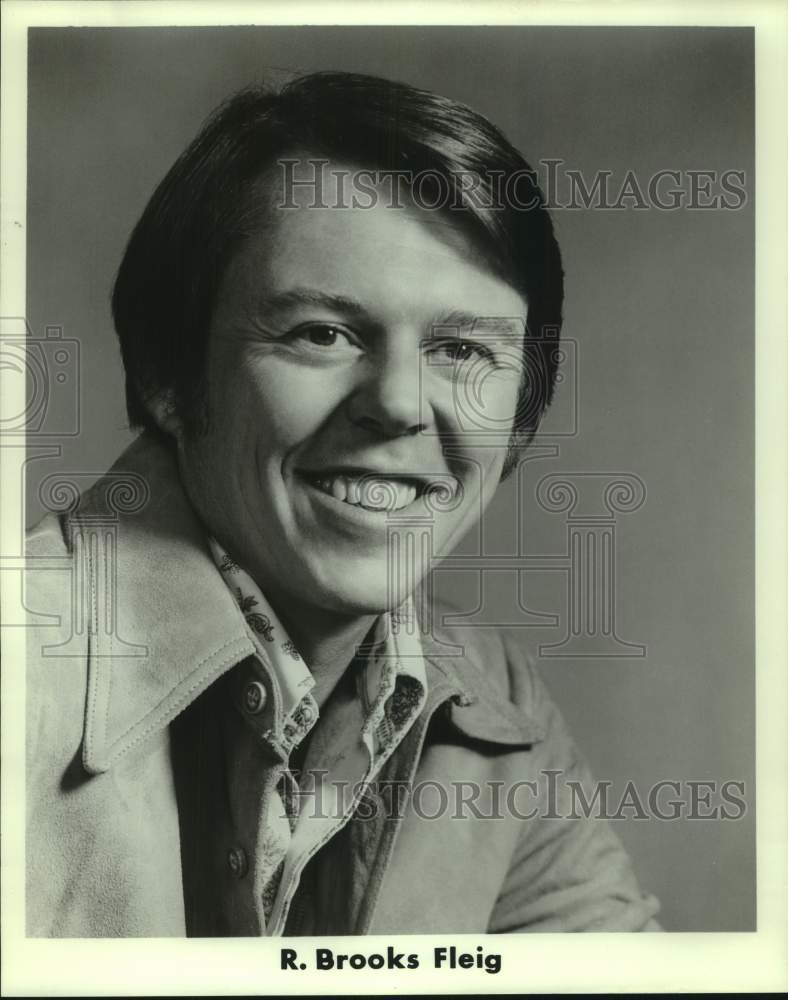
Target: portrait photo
{"x":388,"y":454}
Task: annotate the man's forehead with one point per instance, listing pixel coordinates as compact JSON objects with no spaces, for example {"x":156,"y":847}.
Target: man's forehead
{"x":316,"y":188}
{"x":313,"y":245}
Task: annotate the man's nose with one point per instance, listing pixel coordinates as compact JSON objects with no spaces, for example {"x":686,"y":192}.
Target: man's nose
{"x":389,"y":400}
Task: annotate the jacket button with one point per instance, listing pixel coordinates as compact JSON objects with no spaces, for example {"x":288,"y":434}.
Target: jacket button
{"x":236,"y":861}
{"x":255,"y":697}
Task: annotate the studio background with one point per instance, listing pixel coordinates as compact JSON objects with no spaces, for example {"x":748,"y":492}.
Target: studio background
{"x":659,"y":322}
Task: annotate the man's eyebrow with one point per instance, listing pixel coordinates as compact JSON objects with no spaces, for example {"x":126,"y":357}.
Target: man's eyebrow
{"x":459,"y":319}
{"x":303,"y":296}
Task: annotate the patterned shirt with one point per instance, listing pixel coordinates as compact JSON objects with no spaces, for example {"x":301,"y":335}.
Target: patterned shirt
{"x":360,"y":726}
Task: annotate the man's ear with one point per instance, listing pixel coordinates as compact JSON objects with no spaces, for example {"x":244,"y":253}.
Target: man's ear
{"x":161,"y":406}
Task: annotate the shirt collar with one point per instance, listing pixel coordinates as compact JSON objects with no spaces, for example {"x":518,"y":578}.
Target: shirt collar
{"x":267,"y":632}
{"x":177,"y":628}
{"x":394,"y":653}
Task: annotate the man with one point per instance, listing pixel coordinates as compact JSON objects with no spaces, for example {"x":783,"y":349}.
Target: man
{"x":331,"y":317}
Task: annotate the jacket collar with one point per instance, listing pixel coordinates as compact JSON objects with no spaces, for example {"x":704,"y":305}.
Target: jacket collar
{"x":165,"y":626}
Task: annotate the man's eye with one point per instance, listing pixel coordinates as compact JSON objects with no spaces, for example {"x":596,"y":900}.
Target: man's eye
{"x":462,"y":351}
{"x":324,"y":335}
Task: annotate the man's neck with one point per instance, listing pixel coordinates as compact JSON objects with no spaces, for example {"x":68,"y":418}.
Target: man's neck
{"x":327,"y":641}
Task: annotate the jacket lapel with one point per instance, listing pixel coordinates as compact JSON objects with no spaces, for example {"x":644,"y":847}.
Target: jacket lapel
{"x":173,"y":627}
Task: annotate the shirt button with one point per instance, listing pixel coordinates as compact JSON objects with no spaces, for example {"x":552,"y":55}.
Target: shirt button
{"x":236,"y":861}
{"x":255,"y":697}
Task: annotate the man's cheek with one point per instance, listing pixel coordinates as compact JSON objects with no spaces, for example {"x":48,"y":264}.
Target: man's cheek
{"x":487,"y":461}
{"x":293,"y":407}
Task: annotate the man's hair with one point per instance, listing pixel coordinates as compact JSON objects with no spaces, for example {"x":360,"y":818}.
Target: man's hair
{"x":168,"y":280}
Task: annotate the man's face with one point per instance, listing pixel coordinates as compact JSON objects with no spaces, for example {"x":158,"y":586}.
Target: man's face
{"x":346,"y":381}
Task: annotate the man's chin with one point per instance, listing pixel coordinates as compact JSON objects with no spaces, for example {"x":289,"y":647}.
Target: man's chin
{"x":361,"y":596}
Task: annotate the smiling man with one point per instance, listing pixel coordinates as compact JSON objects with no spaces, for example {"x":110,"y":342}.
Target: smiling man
{"x":331,"y":324}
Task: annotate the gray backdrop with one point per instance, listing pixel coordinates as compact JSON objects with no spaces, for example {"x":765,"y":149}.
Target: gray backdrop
{"x":658,"y":384}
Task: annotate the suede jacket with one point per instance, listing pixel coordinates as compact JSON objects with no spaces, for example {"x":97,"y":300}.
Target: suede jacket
{"x":131,"y":624}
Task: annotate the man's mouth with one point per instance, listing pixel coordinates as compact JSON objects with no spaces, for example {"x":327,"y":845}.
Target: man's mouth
{"x":372,"y":491}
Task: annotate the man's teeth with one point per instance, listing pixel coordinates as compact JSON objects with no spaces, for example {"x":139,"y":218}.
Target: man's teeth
{"x":372,"y":494}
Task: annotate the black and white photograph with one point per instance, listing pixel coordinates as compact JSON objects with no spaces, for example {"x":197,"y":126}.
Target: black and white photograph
{"x":381,"y":574}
